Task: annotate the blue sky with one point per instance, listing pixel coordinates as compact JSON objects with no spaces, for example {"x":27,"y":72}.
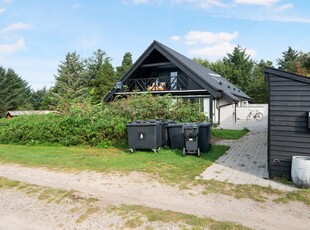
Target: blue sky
{"x":35,"y":35}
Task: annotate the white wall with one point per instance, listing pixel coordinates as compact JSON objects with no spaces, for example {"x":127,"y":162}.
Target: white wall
{"x":242,"y":112}
{"x":226,"y":110}
{"x":227,"y":114}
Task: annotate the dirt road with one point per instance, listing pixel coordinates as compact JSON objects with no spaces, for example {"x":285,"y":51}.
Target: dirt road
{"x":136,"y":188}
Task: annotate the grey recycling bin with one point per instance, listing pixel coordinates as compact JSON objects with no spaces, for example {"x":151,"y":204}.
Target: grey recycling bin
{"x":204,"y":137}
{"x":191,"y":132}
{"x":176,"y":137}
{"x":144,"y":135}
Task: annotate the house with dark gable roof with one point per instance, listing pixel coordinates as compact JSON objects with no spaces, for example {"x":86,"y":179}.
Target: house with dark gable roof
{"x":161,"y":70}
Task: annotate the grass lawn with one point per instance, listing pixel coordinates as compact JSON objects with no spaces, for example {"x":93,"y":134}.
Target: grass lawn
{"x":169,"y":165}
{"x":228,"y":133}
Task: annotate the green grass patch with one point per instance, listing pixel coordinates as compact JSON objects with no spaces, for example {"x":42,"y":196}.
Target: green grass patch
{"x":239,"y":191}
{"x":46,"y":194}
{"x":228,"y":133}
{"x":301,"y":195}
{"x":168,"y":165}
{"x":164,"y":216}
{"x":85,"y":206}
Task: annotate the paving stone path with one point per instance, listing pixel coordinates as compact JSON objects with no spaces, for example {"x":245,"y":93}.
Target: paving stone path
{"x":246,"y":160}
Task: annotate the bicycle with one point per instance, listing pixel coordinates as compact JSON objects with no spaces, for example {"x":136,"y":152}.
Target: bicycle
{"x":256,"y":115}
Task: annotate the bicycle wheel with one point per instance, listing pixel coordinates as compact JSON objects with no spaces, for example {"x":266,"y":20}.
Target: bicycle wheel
{"x":259,"y":116}
{"x":249,"y":116}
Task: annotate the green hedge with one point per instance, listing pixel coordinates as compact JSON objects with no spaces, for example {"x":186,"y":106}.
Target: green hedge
{"x":101,"y":125}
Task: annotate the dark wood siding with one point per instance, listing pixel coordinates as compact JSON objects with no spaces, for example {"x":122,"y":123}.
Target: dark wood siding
{"x":289,"y":102}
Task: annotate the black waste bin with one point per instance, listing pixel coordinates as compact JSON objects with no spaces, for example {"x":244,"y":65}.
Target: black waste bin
{"x":160,"y":129}
{"x":204,"y":137}
{"x":144,"y":135}
{"x":166,"y":140}
{"x":163,"y":128}
{"x":191,"y":132}
{"x":176,"y":137}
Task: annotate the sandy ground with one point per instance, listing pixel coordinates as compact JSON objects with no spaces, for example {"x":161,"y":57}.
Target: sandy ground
{"x":19,"y":211}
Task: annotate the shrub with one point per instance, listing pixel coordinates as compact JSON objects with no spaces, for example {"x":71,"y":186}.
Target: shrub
{"x":101,"y":125}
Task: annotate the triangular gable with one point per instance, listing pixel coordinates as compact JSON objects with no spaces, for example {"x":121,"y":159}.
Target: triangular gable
{"x":216,"y":85}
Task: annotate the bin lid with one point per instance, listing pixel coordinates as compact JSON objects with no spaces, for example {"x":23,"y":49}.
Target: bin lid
{"x":190,"y":126}
{"x":204,"y":124}
{"x":155,"y":120}
{"x":135,"y":124}
{"x":169,"y":121}
{"x":176,"y":125}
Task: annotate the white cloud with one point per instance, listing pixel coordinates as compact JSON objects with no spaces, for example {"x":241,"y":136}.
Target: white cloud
{"x":12,"y":48}
{"x":217,"y":50}
{"x":284,"y":7}
{"x":175,"y":38}
{"x":7,"y":1}
{"x":256,"y":2}
{"x":210,"y":45}
{"x":16,"y":26}
{"x":136,"y":2}
{"x":140,"y":1}
{"x":207,"y":38}
{"x":2,"y":10}
{"x":203,"y":3}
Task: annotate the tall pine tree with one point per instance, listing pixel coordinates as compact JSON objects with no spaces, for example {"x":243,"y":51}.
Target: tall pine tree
{"x":238,"y":68}
{"x":14,"y":92}
{"x":126,"y":65}
{"x":71,"y":83}
{"x":288,"y":62}
{"x":101,"y":76}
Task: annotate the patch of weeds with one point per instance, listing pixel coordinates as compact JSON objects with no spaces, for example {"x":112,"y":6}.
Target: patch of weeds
{"x":55,"y":196}
{"x":149,"y":227}
{"x":6,"y":183}
{"x":134,"y":222}
{"x":51,"y":195}
{"x":74,"y":210}
{"x":282,"y":180}
{"x":226,"y":225}
{"x":194,"y":222}
{"x":87,"y":214}
{"x":254,"y":192}
{"x":301,"y":195}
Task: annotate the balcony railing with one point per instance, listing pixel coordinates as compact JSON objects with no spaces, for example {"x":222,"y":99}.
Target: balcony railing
{"x":157,"y":84}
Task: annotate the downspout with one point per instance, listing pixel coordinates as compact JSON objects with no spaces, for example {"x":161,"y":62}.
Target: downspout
{"x":219,"y":110}
{"x":236,"y":112}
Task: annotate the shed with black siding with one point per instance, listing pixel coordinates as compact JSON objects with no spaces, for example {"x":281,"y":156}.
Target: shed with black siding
{"x":288,"y":131}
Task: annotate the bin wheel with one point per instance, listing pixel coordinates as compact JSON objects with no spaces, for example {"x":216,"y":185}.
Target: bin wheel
{"x":184,"y":152}
{"x":198,"y":152}
{"x":131,"y":150}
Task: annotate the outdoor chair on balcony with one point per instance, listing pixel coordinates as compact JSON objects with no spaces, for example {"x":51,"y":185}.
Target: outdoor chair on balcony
{"x":160,"y":86}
